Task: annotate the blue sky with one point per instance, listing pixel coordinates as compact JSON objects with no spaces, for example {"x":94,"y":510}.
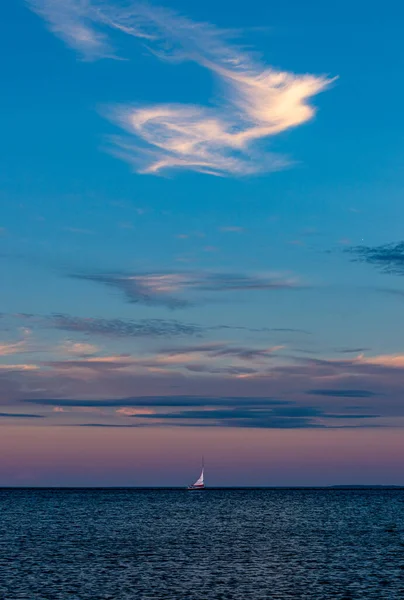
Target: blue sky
{"x":202,"y":203}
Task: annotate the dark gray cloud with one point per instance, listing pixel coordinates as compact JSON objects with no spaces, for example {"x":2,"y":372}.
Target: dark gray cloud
{"x":96,"y":364}
{"x":289,"y":417}
{"x":20,"y":416}
{"x":163,"y":402}
{"x":389,"y":258}
{"x":289,"y":412}
{"x":108,"y":425}
{"x":223,"y":412}
{"x":243,"y":352}
{"x":217,"y":350}
{"x":201,"y":368}
{"x":234,"y":418}
{"x":342,"y":393}
{"x":182,"y":289}
{"x":354,"y":416}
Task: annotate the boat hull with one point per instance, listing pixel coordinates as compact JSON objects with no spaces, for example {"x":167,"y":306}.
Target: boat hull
{"x":195,"y":489}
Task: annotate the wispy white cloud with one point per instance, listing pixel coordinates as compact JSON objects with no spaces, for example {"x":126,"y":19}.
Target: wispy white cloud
{"x":78,"y":348}
{"x":258,"y":102}
{"x":19,"y":367}
{"x":75,"y":21}
{"x":7,"y":348}
{"x":384,"y":360}
{"x":180,"y":289}
{"x":126,"y":411}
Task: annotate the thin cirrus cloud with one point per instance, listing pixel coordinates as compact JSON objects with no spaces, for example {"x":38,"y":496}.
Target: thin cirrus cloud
{"x":124,"y":328}
{"x":115,"y":328}
{"x":130,"y":328}
{"x":218,"y":350}
{"x":182,"y":289}
{"x":257,"y":363}
{"x":258,"y":102}
{"x":202,"y":358}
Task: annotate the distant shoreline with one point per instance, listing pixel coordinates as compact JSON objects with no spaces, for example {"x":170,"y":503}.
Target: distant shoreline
{"x":365,"y":486}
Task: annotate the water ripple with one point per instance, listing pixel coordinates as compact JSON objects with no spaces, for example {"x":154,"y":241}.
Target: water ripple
{"x":212,"y":545}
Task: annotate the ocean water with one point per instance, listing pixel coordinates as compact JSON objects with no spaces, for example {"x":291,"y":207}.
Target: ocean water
{"x":276,"y":544}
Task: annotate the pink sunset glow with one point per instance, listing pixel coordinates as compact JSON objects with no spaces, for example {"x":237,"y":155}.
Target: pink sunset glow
{"x":63,"y":456}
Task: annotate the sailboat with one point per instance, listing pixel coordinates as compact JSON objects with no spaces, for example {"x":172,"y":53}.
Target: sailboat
{"x":199,"y":483}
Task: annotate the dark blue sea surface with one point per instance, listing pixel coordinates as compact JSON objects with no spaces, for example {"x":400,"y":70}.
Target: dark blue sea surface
{"x":214,"y":545}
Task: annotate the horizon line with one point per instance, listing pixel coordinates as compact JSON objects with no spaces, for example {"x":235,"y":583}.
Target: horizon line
{"x":211,"y":488}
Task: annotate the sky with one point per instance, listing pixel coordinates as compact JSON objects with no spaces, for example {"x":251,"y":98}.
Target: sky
{"x":201,"y":243}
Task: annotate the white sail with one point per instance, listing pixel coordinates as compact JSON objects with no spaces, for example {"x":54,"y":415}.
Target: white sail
{"x":199,"y":482}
